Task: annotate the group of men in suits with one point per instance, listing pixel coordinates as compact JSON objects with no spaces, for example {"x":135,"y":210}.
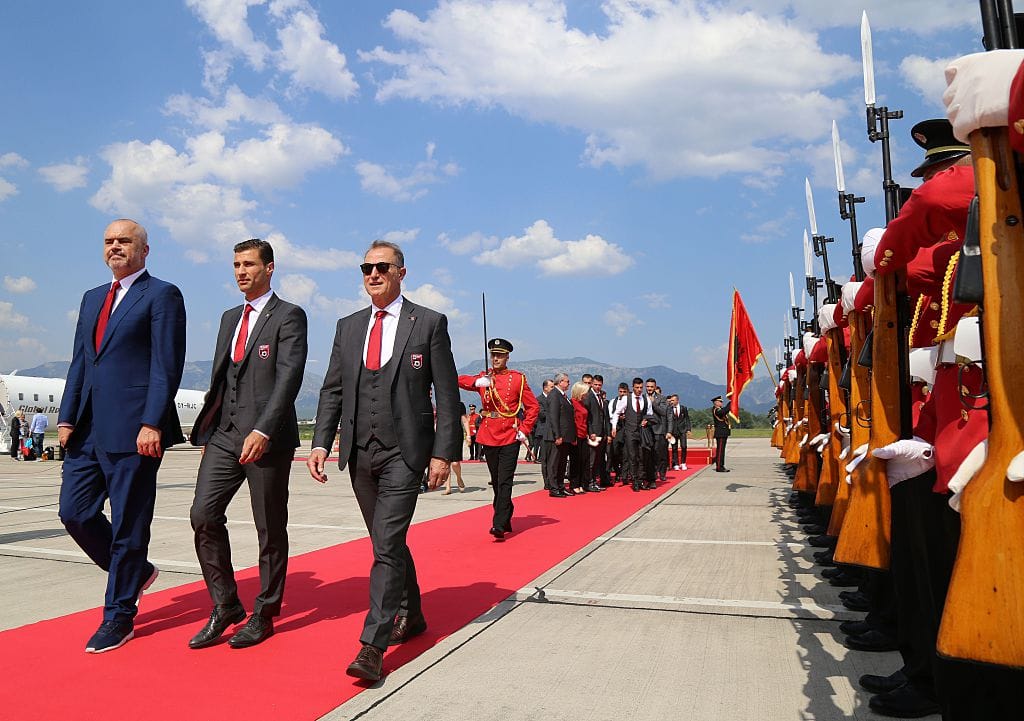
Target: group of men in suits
{"x":629,"y":435}
{"x":118,"y":417}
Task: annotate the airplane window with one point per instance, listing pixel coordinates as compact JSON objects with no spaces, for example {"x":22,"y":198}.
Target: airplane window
{"x":35,"y":396}
{"x":51,"y":398}
{"x":21,"y":396}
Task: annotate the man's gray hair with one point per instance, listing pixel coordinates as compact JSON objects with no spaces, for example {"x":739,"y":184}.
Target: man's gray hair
{"x":559,"y":377}
{"x":399,"y":255}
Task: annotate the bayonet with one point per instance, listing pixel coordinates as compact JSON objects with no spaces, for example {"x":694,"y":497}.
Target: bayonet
{"x":837,"y":157}
{"x":867,"y":59}
{"x":810,"y":209}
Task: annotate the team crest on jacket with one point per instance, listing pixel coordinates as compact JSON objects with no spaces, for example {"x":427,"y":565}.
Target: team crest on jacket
{"x":417,"y":360}
{"x":264,"y":351}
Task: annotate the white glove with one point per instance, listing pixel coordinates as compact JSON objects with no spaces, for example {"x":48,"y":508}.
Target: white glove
{"x":520,"y":436}
{"x":858,"y":455}
{"x":978,"y":95}
{"x":844,"y":436}
{"x":820,"y":441}
{"x":967,"y":470}
{"x":906,"y":458}
{"x":1015,"y":471}
{"x":803,"y":440}
{"x":482,"y":382}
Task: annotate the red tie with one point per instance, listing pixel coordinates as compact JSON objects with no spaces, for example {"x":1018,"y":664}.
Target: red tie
{"x":108,"y":304}
{"x":638,"y":405}
{"x":243,"y":335}
{"x":376,"y":336}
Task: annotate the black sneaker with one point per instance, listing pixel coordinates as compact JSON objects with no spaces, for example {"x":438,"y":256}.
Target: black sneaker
{"x":110,"y":635}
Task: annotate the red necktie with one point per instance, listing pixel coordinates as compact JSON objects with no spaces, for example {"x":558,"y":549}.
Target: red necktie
{"x":638,"y":405}
{"x":243,"y":335}
{"x":376,"y":337}
{"x":108,"y":304}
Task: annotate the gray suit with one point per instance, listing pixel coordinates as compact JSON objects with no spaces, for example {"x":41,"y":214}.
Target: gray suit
{"x":387,"y":438}
{"x":561,"y":424}
{"x":257,"y":393}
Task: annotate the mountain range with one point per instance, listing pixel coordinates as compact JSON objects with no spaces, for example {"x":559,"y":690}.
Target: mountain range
{"x":694,"y":391}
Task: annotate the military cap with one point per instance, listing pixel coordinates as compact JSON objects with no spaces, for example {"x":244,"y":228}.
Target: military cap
{"x":716,"y":398}
{"x":939,"y":143}
{"x":499,"y":345}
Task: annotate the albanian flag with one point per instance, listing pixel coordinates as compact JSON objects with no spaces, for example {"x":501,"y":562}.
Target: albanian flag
{"x":744,"y":352}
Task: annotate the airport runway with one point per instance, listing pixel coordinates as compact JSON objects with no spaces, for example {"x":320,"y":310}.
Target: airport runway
{"x":705,"y":605}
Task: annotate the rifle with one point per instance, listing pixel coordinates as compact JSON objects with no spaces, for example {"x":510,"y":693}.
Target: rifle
{"x":859,"y":414}
{"x":809,"y":467}
{"x":866,"y":534}
{"x":792,"y":449}
{"x":982,"y":619}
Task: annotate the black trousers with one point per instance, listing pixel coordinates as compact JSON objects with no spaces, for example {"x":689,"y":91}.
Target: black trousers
{"x":555,"y":460}
{"x":677,"y":453}
{"x":15,"y":445}
{"x":501,"y":463}
{"x":599,"y":463}
{"x":720,"y":451}
{"x":547,"y":449}
{"x":386,"y":490}
{"x":631,"y":460}
{"x":220,"y":477}
{"x":660,"y":454}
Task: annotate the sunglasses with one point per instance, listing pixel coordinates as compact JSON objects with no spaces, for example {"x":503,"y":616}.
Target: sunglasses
{"x":382,"y":267}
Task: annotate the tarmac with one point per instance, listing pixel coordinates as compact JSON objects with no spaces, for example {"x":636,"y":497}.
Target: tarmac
{"x":704,"y":605}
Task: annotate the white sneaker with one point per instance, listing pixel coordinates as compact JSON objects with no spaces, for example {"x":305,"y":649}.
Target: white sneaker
{"x":675,"y":468}
{"x":682,"y":467}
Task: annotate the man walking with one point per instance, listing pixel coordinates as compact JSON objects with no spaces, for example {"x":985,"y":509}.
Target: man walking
{"x":385,"y":361}
{"x":679,"y":427}
{"x":504,"y":394}
{"x":249,"y":433}
{"x":116,"y":419}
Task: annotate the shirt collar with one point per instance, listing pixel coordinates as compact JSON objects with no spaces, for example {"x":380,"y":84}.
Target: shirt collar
{"x":392,"y":308}
{"x":259,"y":303}
{"x":127,"y":281}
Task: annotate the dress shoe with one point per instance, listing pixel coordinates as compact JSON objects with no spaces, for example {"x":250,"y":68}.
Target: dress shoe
{"x":369,"y":664}
{"x":220,"y":618}
{"x":882,"y":684}
{"x":257,"y":629}
{"x":404,"y":629}
{"x":822,"y":541}
{"x":855,"y":628}
{"x":636,"y":488}
{"x":814,"y":529}
{"x":499,"y":535}
{"x":845,"y":580}
{"x":110,"y":635}
{"x":872,"y":640}
{"x":594,"y":488}
{"x":831,"y":572}
{"x":907,"y":701}
{"x":856,"y":604}
{"x":843,"y":595}
{"x":556,"y":494}
{"x":826,"y":557}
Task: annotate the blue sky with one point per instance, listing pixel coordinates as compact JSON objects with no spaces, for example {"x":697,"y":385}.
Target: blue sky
{"x":605,"y":171}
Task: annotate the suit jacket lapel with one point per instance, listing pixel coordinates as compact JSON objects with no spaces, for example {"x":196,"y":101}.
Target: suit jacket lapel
{"x":261,"y":323}
{"x":133,"y":296}
{"x":356,"y":337}
{"x":406,"y":321}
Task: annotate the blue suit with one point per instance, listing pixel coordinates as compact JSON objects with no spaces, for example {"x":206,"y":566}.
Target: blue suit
{"x":109,"y":395}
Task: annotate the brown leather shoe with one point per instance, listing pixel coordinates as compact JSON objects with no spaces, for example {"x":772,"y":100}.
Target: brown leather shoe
{"x":405,"y":629}
{"x":369,"y":664}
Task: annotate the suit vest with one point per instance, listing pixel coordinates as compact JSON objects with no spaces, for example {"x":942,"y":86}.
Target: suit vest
{"x":374,"y":418}
{"x":229,"y":405}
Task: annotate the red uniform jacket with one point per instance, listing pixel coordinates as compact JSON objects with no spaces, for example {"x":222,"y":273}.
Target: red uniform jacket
{"x":499,"y":406}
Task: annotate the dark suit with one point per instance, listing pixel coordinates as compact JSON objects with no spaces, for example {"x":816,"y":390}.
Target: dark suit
{"x":537,"y":442}
{"x":660,"y":426}
{"x":543,"y":431}
{"x":635,"y":456}
{"x":561,"y":424}
{"x":257,"y":393}
{"x":679,"y":426}
{"x":597,"y":425}
{"x":109,"y":395}
{"x":720,"y":417}
{"x":387,"y":455}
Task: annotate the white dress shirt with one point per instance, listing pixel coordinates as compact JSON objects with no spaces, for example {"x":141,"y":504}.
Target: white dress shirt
{"x":126,"y":283}
{"x":389,"y":329}
{"x":257,"y":307}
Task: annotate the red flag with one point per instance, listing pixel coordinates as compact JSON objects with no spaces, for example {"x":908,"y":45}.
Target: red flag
{"x":744,"y":353}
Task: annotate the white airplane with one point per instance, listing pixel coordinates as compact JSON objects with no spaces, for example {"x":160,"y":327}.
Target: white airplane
{"x":26,"y":393}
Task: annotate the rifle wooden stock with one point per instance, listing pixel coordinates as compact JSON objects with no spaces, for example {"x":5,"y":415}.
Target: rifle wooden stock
{"x":809,"y":467}
{"x":859,"y":419}
{"x":793,"y":442}
{"x":830,"y":478}
{"x":866,"y":535}
{"x":984,"y":615}
{"x":780,"y":425}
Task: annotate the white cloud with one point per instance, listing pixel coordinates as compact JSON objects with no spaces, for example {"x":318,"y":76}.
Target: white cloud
{"x":926,"y":76}
{"x":12,"y":160}
{"x":657,"y":300}
{"x":304,"y":54}
{"x":771,"y":229}
{"x":917,"y":16}
{"x":538,"y":245}
{"x":66,"y":176}
{"x":472,"y":243}
{"x":10,"y":318}
{"x":432,"y":297}
{"x":621,"y":319}
{"x":21,"y":284}
{"x":401,"y":236}
{"x":313,"y":62}
{"x":296,"y":288}
{"x":640,"y":95}
{"x":378,"y":180}
{"x":7,"y":189}
{"x":709,"y":361}
{"x":236,"y":107}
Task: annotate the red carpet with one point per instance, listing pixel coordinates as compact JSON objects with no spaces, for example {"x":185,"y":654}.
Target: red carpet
{"x":299,"y":672}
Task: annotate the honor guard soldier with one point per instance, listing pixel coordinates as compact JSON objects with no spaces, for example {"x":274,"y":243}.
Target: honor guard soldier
{"x":503,"y":393}
{"x":720,"y":417}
